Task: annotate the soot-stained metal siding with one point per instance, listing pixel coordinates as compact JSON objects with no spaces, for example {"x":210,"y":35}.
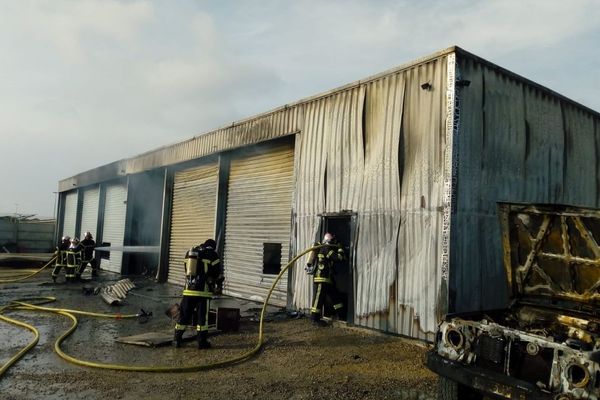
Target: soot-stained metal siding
{"x":518,"y":143}
{"x":378,"y":150}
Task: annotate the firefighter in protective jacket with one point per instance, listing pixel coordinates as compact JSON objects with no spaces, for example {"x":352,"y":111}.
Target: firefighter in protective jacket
{"x":61,"y":256}
{"x":87,"y":255}
{"x":73,"y":260}
{"x":202,"y":271}
{"x":326,"y":294}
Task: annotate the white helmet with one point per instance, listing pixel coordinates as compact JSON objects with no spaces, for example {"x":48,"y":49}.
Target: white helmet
{"x":66,"y":238}
{"x":328,"y":238}
{"x":88,"y":235}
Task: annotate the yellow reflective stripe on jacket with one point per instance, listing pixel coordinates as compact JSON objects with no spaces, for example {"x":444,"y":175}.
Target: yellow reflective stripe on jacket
{"x":196,"y":293}
{"x":216,"y":261}
{"x":319,"y":279}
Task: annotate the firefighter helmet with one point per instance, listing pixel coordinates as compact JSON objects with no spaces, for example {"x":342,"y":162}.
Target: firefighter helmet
{"x":210,"y":244}
{"x":328,"y":238}
{"x":66,"y":238}
{"x":88,"y":235}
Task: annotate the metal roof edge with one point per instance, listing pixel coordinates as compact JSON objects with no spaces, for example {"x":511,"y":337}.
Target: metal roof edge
{"x":64,"y":184}
{"x":462,"y":52}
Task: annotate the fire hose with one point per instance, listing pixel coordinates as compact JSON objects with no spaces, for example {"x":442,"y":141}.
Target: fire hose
{"x":24,"y":305}
{"x":21,"y":277}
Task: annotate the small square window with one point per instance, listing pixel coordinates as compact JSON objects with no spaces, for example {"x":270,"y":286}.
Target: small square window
{"x":271,"y":258}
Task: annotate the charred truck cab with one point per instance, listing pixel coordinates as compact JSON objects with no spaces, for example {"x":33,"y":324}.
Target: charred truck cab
{"x":546,"y":345}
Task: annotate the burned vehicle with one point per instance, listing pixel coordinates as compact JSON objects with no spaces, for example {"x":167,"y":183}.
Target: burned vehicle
{"x":546,"y":345}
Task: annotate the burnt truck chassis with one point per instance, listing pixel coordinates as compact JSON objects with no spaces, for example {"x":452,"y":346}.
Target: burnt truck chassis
{"x":497,"y":385}
{"x":543,"y":353}
{"x":546,"y":344}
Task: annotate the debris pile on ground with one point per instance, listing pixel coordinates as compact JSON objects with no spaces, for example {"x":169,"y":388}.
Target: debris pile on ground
{"x":115,"y":294}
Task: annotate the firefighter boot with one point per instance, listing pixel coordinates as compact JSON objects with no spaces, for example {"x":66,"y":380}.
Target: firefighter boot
{"x":178,"y":338}
{"x":202,"y":342}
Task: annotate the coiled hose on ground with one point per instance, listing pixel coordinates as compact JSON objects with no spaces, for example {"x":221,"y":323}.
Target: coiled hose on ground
{"x":35,"y":304}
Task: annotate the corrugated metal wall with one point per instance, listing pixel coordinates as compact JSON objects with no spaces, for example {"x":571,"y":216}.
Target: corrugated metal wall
{"x":517,"y":143}
{"x":89,"y":212}
{"x":70,"y":215}
{"x":378,"y":149}
{"x":259,"y":210}
{"x":113,"y":232}
{"x":193,"y":214}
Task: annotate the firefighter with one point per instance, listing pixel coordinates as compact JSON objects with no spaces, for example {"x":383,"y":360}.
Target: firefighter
{"x":87,"y":255}
{"x":326,"y":294}
{"x":202,"y":269}
{"x":73,"y":260}
{"x":61,"y":256}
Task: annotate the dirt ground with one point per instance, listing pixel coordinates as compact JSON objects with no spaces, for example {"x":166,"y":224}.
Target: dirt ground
{"x":298,"y":360}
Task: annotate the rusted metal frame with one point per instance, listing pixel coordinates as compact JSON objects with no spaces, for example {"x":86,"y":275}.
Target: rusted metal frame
{"x":534,"y":249}
{"x":589,"y":239}
{"x":553,"y":285}
{"x":504,"y":222}
{"x":578,"y":260}
{"x":564,"y":233}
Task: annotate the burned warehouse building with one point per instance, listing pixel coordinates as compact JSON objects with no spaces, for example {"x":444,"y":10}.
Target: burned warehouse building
{"x":407,"y":167}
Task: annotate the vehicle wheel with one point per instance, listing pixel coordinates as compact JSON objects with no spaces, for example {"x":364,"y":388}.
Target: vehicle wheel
{"x":452,"y":390}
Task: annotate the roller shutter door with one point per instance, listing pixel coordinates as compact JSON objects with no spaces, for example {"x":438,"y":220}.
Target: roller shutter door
{"x":192,"y":216}
{"x":113,"y":232}
{"x":70,"y":216}
{"x":259,"y":206}
{"x":89,"y":213}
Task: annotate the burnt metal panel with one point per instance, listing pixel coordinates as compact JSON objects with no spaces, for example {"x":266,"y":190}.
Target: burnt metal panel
{"x":193,"y":214}
{"x":259,"y":206}
{"x":518,"y":143}
{"x":379,"y":149}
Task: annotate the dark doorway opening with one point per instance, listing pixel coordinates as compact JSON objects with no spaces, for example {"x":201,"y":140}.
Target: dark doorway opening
{"x":342,"y":226}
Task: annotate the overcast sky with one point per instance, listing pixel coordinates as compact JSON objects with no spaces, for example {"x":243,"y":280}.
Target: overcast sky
{"x":85,"y":83}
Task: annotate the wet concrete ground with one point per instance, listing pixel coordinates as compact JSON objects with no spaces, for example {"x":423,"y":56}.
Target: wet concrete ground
{"x":298,"y":361}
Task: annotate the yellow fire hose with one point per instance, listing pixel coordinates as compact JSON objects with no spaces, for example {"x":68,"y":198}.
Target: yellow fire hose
{"x":21,"y":277}
{"x":22,"y":305}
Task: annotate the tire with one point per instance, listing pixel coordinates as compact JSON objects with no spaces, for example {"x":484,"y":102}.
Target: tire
{"x":452,"y":390}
